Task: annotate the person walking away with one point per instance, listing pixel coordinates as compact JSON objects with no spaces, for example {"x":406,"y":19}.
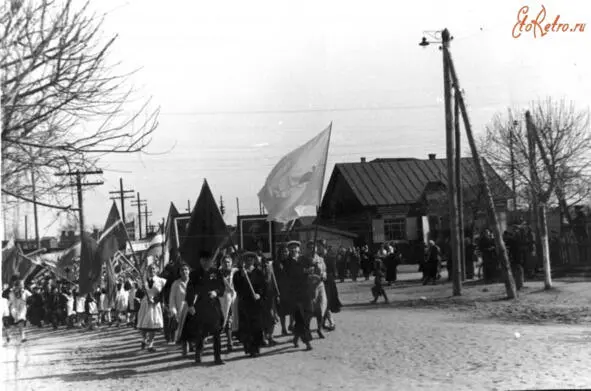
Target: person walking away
{"x":17,"y":303}
{"x":150,"y":313}
{"x":432,"y":263}
{"x":205,"y":316}
{"x":377,"y":289}
{"x":178,"y":306}
{"x":251,"y":288}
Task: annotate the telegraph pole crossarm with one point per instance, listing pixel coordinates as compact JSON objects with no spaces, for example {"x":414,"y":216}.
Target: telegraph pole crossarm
{"x":79,"y":185}
{"x":122,"y":197}
{"x":139,"y":203}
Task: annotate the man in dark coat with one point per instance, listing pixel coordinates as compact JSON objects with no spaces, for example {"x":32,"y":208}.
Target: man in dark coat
{"x":300,"y":294}
{"x":332,"y":294}
{"x":251,"y":305}
{"x":205,"y":313}
{"x":280,"y":268}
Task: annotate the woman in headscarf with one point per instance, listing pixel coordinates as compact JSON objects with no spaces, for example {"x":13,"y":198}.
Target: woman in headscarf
{"x":149,"y":316}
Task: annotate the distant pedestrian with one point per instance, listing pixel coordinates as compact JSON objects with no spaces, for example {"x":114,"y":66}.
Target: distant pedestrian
{"x":365,"y":262}
{"x":378,"y":288}
{"x":432,"y":263}
{"x":489,"y":258}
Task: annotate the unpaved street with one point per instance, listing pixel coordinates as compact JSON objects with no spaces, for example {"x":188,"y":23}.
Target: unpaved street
{"x":375,"y":347}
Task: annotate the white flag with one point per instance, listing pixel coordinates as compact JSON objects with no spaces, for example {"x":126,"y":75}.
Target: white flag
{"x":294,"y":187}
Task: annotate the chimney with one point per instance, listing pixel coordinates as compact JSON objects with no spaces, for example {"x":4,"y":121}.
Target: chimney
{"x":363,"y":159}
{"x":432,"y":156}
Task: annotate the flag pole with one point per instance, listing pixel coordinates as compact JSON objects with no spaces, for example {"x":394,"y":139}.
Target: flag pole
{"x":322,"y":184}
{"x":245,"y":272}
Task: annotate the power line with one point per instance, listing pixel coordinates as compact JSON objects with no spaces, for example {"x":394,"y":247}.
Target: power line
{"x":298,"y":111}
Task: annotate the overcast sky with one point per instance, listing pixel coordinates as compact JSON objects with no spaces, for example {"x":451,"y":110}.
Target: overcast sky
{"x":241,"y":83}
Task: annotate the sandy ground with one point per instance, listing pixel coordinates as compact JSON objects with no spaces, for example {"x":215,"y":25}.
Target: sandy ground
{"x":423,"y":340}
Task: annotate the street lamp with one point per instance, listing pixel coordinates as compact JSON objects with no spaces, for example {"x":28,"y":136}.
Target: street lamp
{"x":435,"y":36}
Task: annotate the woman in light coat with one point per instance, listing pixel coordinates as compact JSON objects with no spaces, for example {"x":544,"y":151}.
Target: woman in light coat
{"x":149,"y":316}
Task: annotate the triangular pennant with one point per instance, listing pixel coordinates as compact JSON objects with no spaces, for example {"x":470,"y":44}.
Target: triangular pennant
{"x":207,"y":228}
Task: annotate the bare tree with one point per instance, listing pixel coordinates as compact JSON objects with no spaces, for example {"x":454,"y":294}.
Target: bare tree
{"x":63,"y":104}
{"x":566,"y":137}
{"x":549,"y":159}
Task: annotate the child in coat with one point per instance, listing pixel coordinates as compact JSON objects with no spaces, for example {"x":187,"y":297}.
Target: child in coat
{"x":378,"y":289}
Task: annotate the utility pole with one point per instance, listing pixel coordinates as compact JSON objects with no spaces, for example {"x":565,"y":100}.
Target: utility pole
{"x":79,"y":184}
{"x":27,"y":228}
{"x":511,"y":151}
{"x":35,"y":215}
{"x":539,"y":200}
{"x":146,"y":214}
{"x":509,"y":281}
{"x":451,"y":171}
{"x":237,"y":207}
{"x":139,"y":203}
{"x":462,"y":254}
{"x":122,"y":197}
{"x":188,"y":206}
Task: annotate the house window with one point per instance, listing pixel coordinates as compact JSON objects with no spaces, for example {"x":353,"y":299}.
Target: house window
{"x":395,"y":229}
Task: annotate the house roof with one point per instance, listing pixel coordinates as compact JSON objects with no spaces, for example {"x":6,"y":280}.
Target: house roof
{"x":403,"y":181}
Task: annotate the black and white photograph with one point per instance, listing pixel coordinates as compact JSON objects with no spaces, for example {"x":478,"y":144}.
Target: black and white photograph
{"x":295,"y":195}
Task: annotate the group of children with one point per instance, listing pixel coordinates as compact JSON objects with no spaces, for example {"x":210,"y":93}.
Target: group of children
{"x":59,"y":303}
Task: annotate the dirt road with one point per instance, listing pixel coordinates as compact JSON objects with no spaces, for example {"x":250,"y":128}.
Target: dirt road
{"x":375,"y":347}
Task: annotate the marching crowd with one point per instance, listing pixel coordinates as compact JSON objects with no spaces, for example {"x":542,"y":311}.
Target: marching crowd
{"x":243,"y":296}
